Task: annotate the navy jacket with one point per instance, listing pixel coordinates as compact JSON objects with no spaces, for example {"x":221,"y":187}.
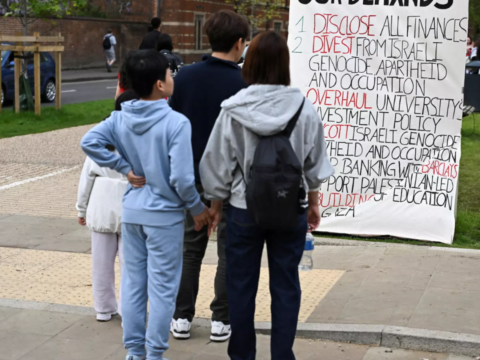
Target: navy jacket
{"x":200,"y":89}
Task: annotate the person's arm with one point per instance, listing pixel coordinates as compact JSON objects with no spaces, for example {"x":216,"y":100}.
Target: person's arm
{"x":113,"y":40}
{"x":85,"y":185}
{"x":94,"y":145}
{"x":182,"y":177}
{"x":313,"y":212}
{"x":218,"y":163}
{"x":215,"y":215}
{"x":317,"y":166}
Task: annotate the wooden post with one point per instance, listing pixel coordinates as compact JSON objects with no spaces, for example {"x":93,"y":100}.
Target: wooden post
{"x":18,"y":64}
{"x":1,"y":87}
{"x":36,"y":77}
{"x":58,"y":77}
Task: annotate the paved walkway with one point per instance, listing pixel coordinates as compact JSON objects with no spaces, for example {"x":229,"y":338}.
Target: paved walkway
{"x":384,"y":284}
{"x":34,"y":335}
{"x":65,"y":278}
{"x":417,"y":287}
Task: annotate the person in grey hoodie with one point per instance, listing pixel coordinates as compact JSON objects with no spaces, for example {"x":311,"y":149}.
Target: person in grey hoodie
{"x":263,"y":109}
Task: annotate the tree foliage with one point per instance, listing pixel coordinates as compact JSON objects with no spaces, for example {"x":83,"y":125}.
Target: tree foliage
{"x":474,"y":18}
{"x":28,"y":11}
{"x":258,"y":11}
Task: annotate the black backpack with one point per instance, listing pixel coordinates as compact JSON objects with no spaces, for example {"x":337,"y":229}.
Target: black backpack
{"x":107,"y":45}
{"x":173,"y":61}
{"x":275,"y":185}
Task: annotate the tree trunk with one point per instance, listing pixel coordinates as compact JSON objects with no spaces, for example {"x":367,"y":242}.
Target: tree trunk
{"x":253,"y":23}
{"x":25,"y":20}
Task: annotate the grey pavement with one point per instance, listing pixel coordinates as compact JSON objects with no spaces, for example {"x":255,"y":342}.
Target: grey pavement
{"x":55,"y":148}
{"x":29,"y":232}
{"x":397,"y":285}
{"x":33,"y":335}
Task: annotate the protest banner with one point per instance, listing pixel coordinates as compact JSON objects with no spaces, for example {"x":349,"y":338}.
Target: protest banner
{"x":386,"y":77}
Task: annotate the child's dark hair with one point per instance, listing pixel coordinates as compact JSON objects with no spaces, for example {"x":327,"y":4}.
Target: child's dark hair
{"x":125,"y":96}
{"x":164,"y":42}
{"x":144,"y":69}
{"x":123,"y":78}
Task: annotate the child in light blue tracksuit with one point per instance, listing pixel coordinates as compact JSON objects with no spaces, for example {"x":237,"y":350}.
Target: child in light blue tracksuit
{"x":154,"y":147}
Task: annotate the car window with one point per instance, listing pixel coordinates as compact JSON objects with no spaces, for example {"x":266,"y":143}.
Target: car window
{"x":4,"y":53}
{"x":29,"y":56}
{"x":44,"y":58}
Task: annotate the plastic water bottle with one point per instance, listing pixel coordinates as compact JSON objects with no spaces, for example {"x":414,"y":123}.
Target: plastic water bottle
{"x":306,"y":264}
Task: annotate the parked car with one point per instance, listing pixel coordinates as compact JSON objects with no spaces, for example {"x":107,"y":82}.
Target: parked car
{"x":47,"y":76}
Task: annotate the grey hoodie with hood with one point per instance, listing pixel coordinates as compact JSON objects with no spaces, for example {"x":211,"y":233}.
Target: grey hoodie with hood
{"x":260,"y":110}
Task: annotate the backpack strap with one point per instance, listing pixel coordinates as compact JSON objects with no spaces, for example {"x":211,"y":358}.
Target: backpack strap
{"x":293,"y":122}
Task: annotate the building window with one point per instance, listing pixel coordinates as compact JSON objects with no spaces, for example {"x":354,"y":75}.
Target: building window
{"x":199,"y":20}
{"x":277,"y":26}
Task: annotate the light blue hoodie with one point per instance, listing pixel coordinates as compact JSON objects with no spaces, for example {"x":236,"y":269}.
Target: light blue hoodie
{"x":155,"y":142}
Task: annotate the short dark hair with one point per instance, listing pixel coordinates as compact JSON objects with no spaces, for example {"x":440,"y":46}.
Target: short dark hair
{"x":164,"y":42}
{"x":268,"y":60}
{"x":144,"y":69}
{"x":156,"y":22}
{"x":109,"y":31}
{"x":125,"y":96}
{"x":224,"y":28}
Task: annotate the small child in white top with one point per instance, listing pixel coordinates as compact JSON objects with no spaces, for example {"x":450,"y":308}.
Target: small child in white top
{"x":99,"y":206}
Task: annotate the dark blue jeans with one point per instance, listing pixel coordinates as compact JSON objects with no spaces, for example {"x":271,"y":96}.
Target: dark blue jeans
{"x":245,"y":242}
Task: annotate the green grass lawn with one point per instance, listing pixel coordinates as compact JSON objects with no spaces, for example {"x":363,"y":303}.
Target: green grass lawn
{"x":467,"y":232}
{"x":71,"y":115}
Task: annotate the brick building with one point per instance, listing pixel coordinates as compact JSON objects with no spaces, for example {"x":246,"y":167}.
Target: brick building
{"x":184,"y":20}
{"x":129,"y":21}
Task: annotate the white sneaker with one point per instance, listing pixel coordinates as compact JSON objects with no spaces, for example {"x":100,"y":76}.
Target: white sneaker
{"x":180,"y":329}
{"x":133,"y":357}
{"x":104,"y":317}
{"x":220,"y":331}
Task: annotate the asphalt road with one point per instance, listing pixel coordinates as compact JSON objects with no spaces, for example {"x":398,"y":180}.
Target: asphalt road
{"x":79,"y":92}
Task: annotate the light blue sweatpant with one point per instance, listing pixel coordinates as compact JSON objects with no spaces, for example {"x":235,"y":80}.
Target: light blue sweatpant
{"x":152,"y":272}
